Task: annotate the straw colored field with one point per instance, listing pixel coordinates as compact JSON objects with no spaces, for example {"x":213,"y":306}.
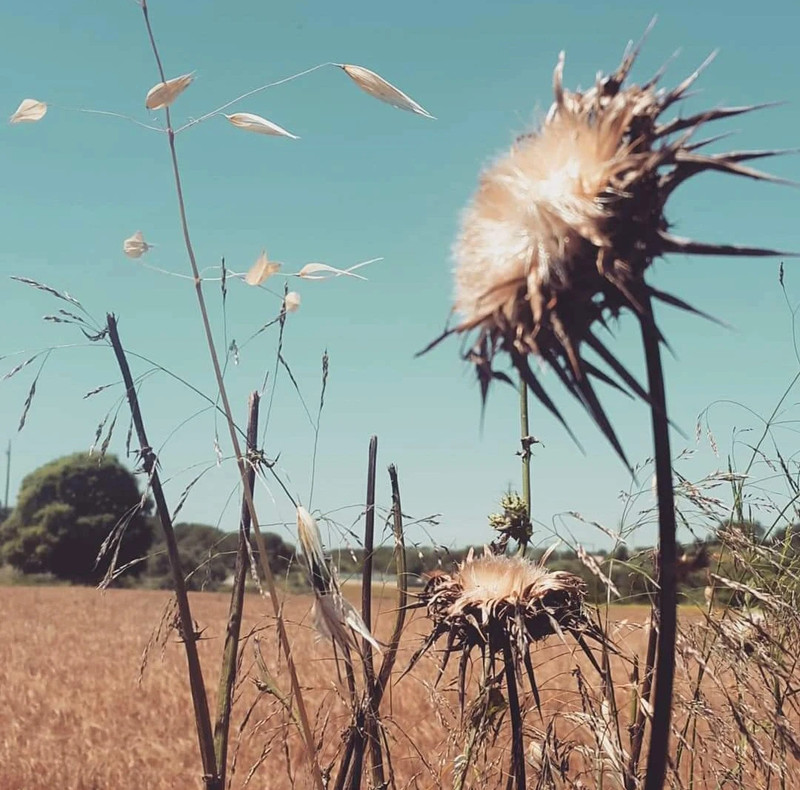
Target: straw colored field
{"x":75,"y":717}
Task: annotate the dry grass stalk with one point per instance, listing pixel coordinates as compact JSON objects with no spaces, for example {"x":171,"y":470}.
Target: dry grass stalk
{"x":240,"y":458}
{"x":230,"y":654}
{"x":367,"y":725}
{"x":211,"y":775}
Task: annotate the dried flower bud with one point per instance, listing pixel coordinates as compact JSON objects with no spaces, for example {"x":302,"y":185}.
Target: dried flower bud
{"x":261,"y":270}
{"x":259,"y":125}
{"x":291,"y":302}
{"x":164,"y":93}
{"x":376,"y":86}
{"x":135,"y":246}
{"x":321,"y":271}
{"x":29,"y":111}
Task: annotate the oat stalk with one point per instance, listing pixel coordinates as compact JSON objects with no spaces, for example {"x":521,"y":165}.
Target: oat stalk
{"x":240,"y":460}
{"x":230,"y":652}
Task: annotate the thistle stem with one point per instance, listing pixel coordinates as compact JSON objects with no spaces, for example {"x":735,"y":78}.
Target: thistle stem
{"x":517,"y":746}
{"x":667,"y":595}
{"x":525,"y":442}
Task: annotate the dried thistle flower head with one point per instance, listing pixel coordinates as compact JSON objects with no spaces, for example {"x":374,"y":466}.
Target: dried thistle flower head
{"x":502,"y":605}
{"x":564,"y":226}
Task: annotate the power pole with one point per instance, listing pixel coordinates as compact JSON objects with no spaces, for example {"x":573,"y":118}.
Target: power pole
{"x":8,"y":473}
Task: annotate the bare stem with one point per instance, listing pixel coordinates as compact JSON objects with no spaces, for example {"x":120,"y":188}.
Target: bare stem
{"x":667,"y":596}
{"x":517,"y":746}
{"x":371,"y":723}
{"x":402,"y":588}
{"x":355,"y":738}
{"x":525,"y":452}
{"x":243,"y":468}
{"x":202,"y":718}
{"x":524,"y":430}
{"x":231,"y":649}
{"x":642,"y":696}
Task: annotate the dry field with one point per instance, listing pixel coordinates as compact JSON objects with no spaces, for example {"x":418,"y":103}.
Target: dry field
{"x":76,"y":717}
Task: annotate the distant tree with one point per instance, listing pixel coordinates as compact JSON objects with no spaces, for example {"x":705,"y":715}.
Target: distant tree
{"x":751,"y":529}
{"x":621,"y":553}
{"x":208,"y":556}
{"x":66,"y":509}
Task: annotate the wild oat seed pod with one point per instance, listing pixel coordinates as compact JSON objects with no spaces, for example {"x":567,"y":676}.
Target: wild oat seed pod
{"x":563,"y":227}
{"x":502,"y":605}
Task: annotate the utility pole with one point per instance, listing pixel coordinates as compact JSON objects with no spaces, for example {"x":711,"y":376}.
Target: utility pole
{"x":8,"y":473}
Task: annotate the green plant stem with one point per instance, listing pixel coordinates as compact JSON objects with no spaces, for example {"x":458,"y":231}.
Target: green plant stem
{"x":243,"y":467}
{"x":525,"y":440}
{"x":202,"y":717}
{"x":231,"y":649}
{"x":667,"y":597}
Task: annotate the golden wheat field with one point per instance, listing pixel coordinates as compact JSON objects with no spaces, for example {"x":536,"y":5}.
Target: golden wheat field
{"x":83,"y":710}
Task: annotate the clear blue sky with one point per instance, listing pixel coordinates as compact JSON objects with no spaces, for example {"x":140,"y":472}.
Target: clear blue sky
{"x":365,"y":180}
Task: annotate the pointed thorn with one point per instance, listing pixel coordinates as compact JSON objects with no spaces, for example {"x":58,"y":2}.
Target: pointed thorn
{"x":596,"y":344}
{"x":725,"y":164}
{"x":676,"y":302}
{"x":678,"y":124}
{"x":691,"y":247}
{"x":678,"y":91}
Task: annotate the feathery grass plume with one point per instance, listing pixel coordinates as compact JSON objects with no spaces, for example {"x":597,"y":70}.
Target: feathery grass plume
{"x":334,"y":616}
{"x":564,"y":225}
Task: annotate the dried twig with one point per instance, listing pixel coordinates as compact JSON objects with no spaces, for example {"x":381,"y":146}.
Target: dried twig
{"x":211,"y":775}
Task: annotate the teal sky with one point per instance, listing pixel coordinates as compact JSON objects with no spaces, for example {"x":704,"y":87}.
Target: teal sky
{"x":365,"y":180}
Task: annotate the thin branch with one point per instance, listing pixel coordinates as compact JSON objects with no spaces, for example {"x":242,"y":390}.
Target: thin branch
{"x":202,"y":717}
{"x":248,"y":94}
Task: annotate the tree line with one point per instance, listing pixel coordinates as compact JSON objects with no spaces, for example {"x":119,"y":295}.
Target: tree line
{"x":75,"y":514}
